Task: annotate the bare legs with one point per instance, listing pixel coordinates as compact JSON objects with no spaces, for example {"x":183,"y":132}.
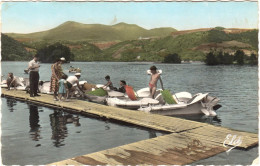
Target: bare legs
{"x":152,"y":91}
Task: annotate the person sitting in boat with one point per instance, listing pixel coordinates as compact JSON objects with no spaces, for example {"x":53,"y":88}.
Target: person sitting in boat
{"x":122,"y":86}
{"x":11,"y":81}
{"x":155,"y":76}
{"x":109,"y":83}
{"x":71,"y":80}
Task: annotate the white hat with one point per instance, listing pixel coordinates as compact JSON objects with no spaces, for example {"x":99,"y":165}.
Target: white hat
{"x":62,"y":59}
{"x":77,"y":74}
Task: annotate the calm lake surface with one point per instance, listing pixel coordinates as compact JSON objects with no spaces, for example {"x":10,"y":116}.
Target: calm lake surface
{"x":54,"y":139}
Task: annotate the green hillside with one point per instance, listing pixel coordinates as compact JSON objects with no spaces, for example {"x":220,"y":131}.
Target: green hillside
{"x":190,"y":46}
{"x":73,"y":31}
{"x":13,"y":50}
{"x":134,"y":43}
{"x":82,"y":50}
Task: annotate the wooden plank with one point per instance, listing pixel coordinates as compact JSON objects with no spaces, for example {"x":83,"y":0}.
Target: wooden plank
{"x":132,"y":157}
{"x":227,"y":130}
{"x":221,"y":137}
{"x":191,"y":147}
{"x":96,"y":159}
{"x":149,"y":154}
{"x":190,"y":141}
{"x":178,"y":140}
{"x":142,"y":119}
{"x":65,"y":162}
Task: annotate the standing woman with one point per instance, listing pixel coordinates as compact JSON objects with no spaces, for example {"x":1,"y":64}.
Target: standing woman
{"x":57,"y":73}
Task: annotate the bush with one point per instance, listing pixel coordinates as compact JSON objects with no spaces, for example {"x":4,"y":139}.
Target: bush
{"x":172,"y":58}
{"x":253,"y":60}
{"x":227,"y":59}
{"x":49,"y":54}
{"x":211,"y":59}
{"x":239,"y":57}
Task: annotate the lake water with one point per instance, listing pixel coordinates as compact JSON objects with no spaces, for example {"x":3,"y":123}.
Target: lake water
{"x":236,"y":86}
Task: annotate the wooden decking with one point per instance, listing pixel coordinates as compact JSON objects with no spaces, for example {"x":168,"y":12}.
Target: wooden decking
{"x":188,"y":142}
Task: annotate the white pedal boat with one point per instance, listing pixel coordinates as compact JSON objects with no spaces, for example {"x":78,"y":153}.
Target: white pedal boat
{"x":23,"y":83}
{"x":118,"y":99}
{"x":186,"y":104}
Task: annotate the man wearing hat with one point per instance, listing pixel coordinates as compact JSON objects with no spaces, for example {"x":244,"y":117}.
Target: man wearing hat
{"x":33,"y":67}
{"x":71,"y":80}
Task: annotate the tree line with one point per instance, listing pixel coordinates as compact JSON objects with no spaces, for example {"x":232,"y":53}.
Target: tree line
{"x":13,"y":50}
{"x":224,"y":58}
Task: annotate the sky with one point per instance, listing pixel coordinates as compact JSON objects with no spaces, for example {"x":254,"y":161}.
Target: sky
{"x":28,"y":17}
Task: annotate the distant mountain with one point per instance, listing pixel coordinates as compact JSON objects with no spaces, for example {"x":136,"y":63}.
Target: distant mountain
{"x":74,"y":31}
{"x":129,"y":42}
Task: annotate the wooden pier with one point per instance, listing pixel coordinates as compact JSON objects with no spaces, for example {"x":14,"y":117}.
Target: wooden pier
{"x":188,"y":141}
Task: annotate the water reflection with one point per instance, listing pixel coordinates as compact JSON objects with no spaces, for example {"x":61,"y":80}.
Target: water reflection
{"x":11,"y":103}
{"x":59,"y":129}
{"x":58,"y":122}
{"x":152,"y":134}
{"x":34,"y":123}
{"x":107,"y":126}
{"x":214,"y":120}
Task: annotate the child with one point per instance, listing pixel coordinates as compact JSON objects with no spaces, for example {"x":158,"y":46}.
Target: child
{"x":109,"y":83}
{"x":122,"y":86}
{"x":63,"y":89}
{"x":153,"y":81}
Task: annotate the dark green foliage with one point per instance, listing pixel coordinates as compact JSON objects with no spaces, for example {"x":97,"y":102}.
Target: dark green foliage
{"x":211,"y":59}
{"x":253,"y":60}
{"x":219,"y":28}
{"x":218,"y":36}
{"x":217,"y":58}
{"x":12,"y":50}
{"x":220,"y":57}
{"x":51,"y":53}
{"x":172,"y":58}
{"x":249,"y":37}
{"x":227,"y":59}
{"x":85,"y":52}
{"x":239,"y":57}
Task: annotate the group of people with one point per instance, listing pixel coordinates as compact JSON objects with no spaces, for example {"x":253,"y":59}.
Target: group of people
{"x":155,"y":76}
{"x":61,"y":85}
{"x":109,"y":84}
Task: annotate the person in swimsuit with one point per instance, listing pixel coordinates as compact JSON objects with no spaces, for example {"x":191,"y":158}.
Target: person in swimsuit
{"x":153,"y":81}
{"x":109,"y":83}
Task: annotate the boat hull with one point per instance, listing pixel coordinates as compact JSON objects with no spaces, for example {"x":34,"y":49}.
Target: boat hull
{"x":188,"y":110}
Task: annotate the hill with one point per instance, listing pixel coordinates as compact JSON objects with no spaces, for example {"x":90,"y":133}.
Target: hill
{"x":139,"y":44}
{"x":74,"y":31}
{"x":192,"y":45}
{"x":13,"y":50}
